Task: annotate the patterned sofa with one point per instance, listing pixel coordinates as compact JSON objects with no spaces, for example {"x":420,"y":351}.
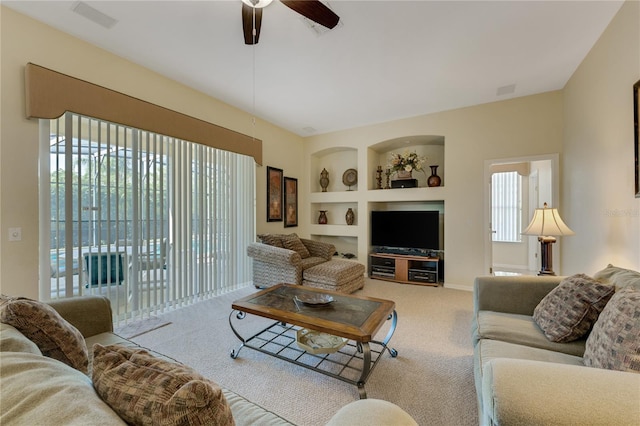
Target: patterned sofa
{"x":280,"y":258}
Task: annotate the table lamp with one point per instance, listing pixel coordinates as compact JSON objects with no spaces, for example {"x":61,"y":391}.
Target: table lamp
{"x":547,"y":225}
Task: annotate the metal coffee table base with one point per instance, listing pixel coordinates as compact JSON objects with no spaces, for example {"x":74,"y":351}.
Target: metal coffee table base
{"x":353,"y":363}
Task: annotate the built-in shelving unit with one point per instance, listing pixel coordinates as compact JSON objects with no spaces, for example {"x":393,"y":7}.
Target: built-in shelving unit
{"x":365,"y":196}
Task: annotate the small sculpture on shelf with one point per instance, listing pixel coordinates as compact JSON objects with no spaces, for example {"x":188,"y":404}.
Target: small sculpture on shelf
{"x":350,"y":216}
{"x":379,"y":178}
{"x":322,"y":219}
{"x":434,"y":179}
{"x":388,"y":174}
{"x":324,"y":179}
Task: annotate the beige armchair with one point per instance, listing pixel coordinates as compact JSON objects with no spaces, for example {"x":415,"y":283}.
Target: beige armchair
{"x":273,"y":265}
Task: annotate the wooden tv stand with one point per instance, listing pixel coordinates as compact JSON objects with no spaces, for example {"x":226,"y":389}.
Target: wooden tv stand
{"x":405,"y":269}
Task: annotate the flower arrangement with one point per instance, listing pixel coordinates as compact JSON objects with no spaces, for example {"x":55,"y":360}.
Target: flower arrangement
{"x":407,"y":161}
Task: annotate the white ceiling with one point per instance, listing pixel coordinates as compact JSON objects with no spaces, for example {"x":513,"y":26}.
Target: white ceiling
{"x":386,"y":60}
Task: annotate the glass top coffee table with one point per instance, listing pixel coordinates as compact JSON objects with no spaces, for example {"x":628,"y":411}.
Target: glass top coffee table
{"x":325,"y":331}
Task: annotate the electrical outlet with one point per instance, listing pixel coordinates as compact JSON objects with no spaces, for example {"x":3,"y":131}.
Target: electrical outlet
{"x":15,"y":234}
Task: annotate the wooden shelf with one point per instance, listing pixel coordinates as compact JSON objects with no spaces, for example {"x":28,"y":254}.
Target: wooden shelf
{"x":405,"y":269}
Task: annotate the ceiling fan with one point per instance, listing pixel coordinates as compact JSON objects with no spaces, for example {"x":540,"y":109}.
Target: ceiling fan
{"x":314,"y":10}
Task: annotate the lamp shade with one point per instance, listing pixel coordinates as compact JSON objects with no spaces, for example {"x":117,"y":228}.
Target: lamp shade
{"x":547,"y":222}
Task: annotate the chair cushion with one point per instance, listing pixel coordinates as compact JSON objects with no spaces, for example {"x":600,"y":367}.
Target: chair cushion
{"x":43,"y":325}
{"x":293,"y":242}
{"x":614,"y":342}
{"x":334,"y":272}
{"x":568,"y":311}
{"x":312,"y":261}
{"x":618,"y":277}
{"x":37,"y":390}
{"x":522,"y":330}
{"x":271,"y":239}
{"x":11,"y":340}
{"x":367,"y":412}
{"x":145,"y":390}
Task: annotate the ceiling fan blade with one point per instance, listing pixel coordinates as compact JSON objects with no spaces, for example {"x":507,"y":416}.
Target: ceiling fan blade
{"x":314,"y":10}
{"x":248,"y":24}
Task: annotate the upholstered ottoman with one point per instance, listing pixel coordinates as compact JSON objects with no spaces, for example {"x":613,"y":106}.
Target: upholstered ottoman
{"x":344,"y":276}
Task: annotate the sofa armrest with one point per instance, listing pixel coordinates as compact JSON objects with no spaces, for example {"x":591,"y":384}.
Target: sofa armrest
{"x":90,"y":314}
{"x":519,"y":391}
{"x":273,"y":254}
{"x":319,"y":248}
{"x":512,"y":294}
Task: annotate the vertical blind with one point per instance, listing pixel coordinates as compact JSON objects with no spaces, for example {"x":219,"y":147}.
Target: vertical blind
{"x":506,"y":211}
{"x":151,"y":222}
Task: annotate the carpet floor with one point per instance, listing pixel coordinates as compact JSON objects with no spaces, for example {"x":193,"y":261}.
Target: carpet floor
{"x":431,"y":378}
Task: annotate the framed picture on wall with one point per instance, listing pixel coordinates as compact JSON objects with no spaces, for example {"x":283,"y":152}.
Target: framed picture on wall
{"x":290,"y":202}
{"x":274,"y":194}
{"x":636,"y":133}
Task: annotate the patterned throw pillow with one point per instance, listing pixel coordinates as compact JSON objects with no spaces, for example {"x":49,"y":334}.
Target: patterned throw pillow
{"x":614,"y":342}
{"x":568,"y":311}
{"x":145,"y":390}
{"x":271,"y":239}
{"x":43,"y":325}
{"x":292,"y":242}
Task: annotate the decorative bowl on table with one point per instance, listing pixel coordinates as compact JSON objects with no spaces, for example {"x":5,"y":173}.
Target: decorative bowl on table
{"x":314,"y":299}
{"x":316,"y":342}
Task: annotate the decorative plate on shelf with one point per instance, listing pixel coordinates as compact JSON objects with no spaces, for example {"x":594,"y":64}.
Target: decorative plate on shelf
{"x":350,"y":177}
{"x":314,"y":299}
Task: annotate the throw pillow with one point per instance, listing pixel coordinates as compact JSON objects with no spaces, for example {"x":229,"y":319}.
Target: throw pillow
{"x":43,"y":325}
{"x":614,"y":342}
{"x":145,"y":390}
{"x":293,"y":242}
{"x":569,"y":311}
{"x":271,"y":239}
{"x":618,"y":277}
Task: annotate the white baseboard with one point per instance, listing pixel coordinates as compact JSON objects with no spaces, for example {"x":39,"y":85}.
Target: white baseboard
{"x":507,"y":266}
{"x":458,"y":287}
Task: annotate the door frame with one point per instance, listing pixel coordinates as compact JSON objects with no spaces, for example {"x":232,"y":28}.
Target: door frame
{"x":555,"y":188}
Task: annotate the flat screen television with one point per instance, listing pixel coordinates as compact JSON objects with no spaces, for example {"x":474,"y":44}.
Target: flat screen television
{"x":406,"y":229}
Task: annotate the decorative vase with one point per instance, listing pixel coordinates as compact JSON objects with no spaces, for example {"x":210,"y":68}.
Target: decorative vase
{"x":350,"y":216}
{"x":434,"y":179}
{"x":403,"y":174}
{"x":322,"y":220}
{"x":324,"y":179}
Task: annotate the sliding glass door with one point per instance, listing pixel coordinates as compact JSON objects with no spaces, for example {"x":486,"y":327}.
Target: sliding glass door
{"x":150,"y":221}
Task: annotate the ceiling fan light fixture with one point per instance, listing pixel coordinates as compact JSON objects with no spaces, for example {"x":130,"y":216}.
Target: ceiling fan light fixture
{"x":259,"y":4}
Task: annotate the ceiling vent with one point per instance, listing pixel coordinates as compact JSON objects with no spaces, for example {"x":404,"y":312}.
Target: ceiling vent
{"x":94,"y":15}
{"x":506,"y":90}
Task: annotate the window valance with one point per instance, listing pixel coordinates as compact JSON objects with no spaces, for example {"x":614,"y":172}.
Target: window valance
{"x":49,"y":94}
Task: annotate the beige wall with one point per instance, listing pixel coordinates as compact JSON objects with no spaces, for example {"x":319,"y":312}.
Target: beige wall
{"x":526,"y":126}
{"x":24,"y":40}
{"x":598,"y":202}
{"x":596,"y":159}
